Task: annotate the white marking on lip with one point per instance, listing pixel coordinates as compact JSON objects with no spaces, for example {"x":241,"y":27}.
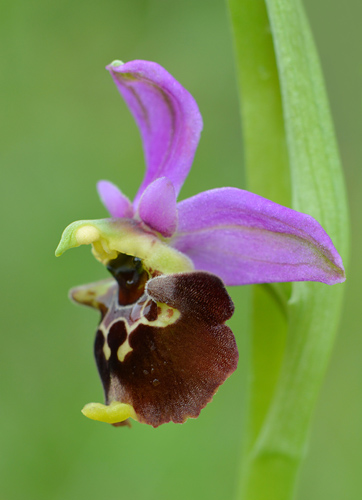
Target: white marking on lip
{"x":166,"y":316}
{"x":123,"y":350}
{"x":106,"y":350}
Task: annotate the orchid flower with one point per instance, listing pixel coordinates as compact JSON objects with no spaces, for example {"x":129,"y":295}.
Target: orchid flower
{"x":162,"y":347}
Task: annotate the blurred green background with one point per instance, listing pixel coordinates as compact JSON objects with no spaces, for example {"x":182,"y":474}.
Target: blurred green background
{"x":64,"y":126}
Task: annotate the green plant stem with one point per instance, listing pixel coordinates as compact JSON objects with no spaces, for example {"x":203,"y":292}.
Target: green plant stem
{"x":265,"y":146}
{"x":292,"y":158}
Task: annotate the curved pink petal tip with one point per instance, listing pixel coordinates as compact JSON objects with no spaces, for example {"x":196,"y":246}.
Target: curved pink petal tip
{"x":167,"y":116}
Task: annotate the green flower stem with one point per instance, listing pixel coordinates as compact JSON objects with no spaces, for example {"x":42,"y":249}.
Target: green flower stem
{"x":292,"y":158}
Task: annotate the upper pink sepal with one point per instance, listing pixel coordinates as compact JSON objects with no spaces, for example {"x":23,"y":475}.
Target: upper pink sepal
{"x":168,"y":118}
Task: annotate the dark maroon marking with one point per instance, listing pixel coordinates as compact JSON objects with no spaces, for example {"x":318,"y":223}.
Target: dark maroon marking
{"x":117,"y":336}
{"x":172,"y":372}
{"x":151,"y":311}
{"x":101,"y":361}
{"x":130,"y":276}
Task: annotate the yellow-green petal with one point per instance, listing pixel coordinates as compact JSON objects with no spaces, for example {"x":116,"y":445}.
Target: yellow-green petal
{"x":109,"y":237}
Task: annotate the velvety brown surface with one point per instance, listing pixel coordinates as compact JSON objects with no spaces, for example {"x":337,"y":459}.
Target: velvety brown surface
{"x":173,"y":372}
{"x":168,"y":373}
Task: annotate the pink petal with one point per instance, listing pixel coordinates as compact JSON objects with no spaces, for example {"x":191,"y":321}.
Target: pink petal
{"x":244,"y":239}
{"x":117,"y":204}
{"x":157,"y":207}
{"x":167,"y":116}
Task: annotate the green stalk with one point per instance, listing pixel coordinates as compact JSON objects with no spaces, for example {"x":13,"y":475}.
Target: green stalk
{"x":292,"y":158}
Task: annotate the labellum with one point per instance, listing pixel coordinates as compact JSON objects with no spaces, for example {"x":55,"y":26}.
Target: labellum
{"x":162,"y":348}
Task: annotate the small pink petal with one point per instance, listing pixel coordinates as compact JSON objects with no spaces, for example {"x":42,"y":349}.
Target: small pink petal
{"x":157,"y":207}
{"x":117,"y":204}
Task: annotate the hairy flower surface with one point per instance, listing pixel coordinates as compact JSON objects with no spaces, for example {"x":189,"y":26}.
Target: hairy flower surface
{"x":162,"y":347}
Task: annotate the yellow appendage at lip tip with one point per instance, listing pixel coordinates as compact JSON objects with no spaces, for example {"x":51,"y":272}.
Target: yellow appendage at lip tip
{"x":111,"y":414}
